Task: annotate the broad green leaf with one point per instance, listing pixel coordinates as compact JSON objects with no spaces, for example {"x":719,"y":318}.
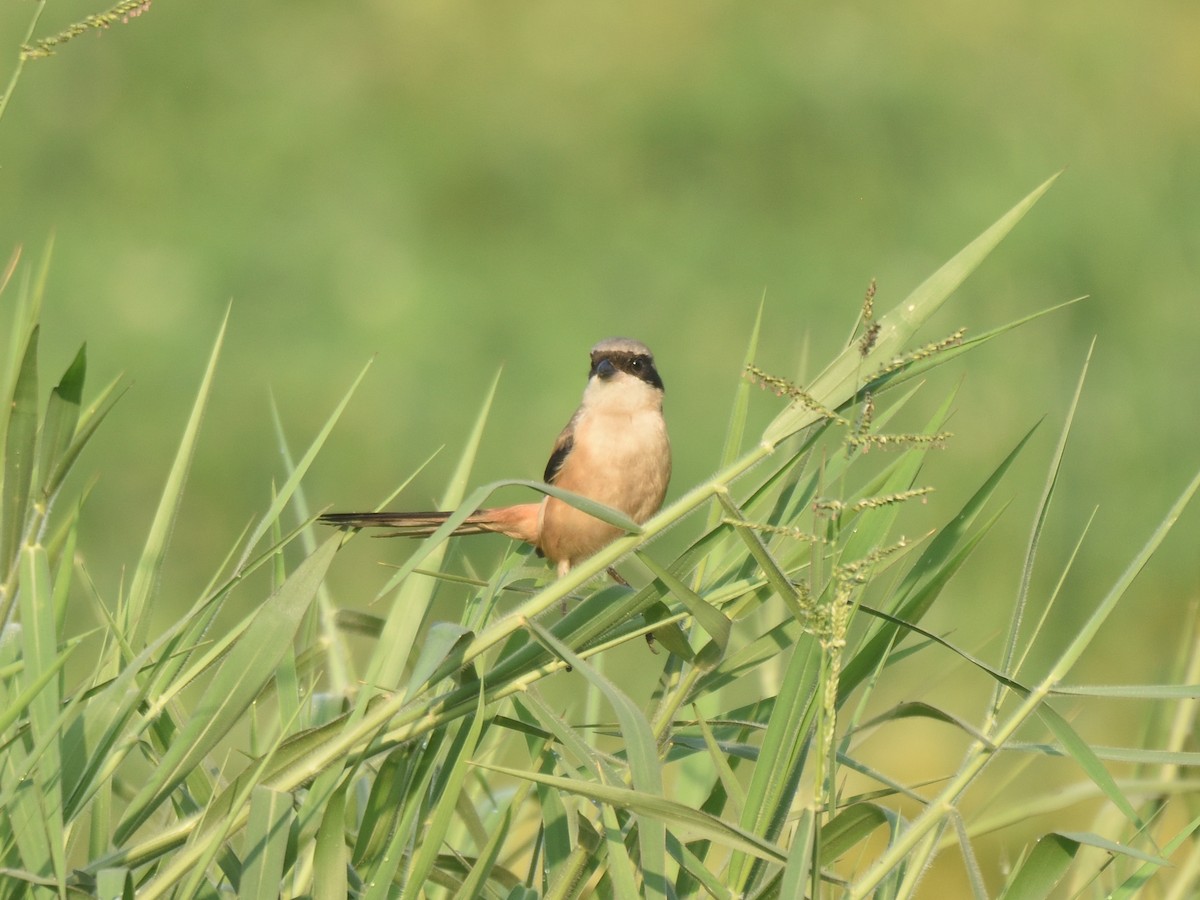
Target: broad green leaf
{"x":1044,"y":868}
{"x":850,"y":827}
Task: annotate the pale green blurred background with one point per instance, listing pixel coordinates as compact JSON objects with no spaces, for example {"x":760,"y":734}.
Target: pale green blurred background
{"x":459,"y":186}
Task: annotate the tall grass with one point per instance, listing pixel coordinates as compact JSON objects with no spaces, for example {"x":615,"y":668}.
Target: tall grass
{"x":265,"y":760}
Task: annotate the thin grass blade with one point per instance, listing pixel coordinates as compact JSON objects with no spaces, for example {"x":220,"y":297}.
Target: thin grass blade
{"x":412,"y":596}
{"x":149,"y":565}
{"x":711,"y":619}
{"x":19,"y":447}
{"x":1039,"y":522}
{"x":454,"y":770}
{"x":641,"y":751}
{"x":1133,"y":885}
{"x":250,"y":664}
{"x":685,"y":821}
{"x":284,"y":496}
{"x":797,"y":872}
{"x":266,"y":844}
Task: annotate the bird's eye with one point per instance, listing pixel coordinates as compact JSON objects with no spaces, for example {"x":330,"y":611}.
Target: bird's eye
{"x":638,"y":364}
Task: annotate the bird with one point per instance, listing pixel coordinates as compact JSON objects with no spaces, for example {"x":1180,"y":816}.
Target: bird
{"x":614,"y":450}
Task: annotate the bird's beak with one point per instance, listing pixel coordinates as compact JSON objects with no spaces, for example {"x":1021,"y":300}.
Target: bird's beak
{"x":605,"y":369}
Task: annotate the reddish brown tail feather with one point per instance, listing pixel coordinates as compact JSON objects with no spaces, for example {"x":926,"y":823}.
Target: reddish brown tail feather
{"x":520,"y":522}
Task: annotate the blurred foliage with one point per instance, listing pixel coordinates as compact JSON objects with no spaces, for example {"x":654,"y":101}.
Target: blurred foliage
{"x":461,"y":186}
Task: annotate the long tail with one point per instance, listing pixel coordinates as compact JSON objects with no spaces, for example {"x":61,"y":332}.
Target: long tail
{"x":520,"y":522}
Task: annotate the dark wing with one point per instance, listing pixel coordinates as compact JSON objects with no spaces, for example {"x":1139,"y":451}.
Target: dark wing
{"x":562,"y":449}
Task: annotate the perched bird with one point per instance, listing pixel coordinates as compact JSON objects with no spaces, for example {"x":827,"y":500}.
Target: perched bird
{"x":614,"y":450}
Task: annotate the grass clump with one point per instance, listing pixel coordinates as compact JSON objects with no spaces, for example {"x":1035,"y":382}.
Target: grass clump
{"x":266,"y":759}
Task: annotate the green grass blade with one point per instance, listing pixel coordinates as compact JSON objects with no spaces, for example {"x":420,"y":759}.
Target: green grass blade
{"x":454,"y":770}
{"x":115,"y":883}
{"x":1085,"y":757}
{"x":250,"y":664}
{"x":641,"y":751}
{"x":41,"y":654}
{"x":1131,"y":691}
{"x":711,"y":619}
{"x":1068,"y":843}
{"x":329,"y":853}
{"x":733,"y":788}
{"x":735,"y":433}
{"x":18,"y":705}
{"x":284,"y":496}
{"x":1039,"y":522}
{"x":684,"y":820}
{"x":784,"y":745}
{"x":89,"y":420}
{"x":945,"y":554}
{"x":619,"y":869}
{"x":849,"y":828}
{"x":266,"y":844}
{"x":485,"y":862}
{"x":1087,"y":632}
{"x":797,"y":872}
{"x":587,"y":758}
{"x":919,"y":368}
{"x":383,"y":869}
{"x":1043,"y":869}
{"x":378,"y":814}
{"x":20,"y":442}
{"x":413,"y":595}
{"x":1132,"y":886}
{"x":62,"y":416}
{"x":149,"y":565}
